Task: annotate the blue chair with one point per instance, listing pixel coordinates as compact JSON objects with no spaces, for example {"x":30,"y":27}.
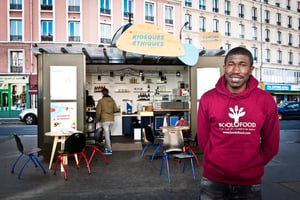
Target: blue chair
{"x":30,"y":155}
{"x":174,"y":146}
{"x":150,"y":140}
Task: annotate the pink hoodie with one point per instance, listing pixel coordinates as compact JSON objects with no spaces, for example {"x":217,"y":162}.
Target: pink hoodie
{"x":238,"y":133}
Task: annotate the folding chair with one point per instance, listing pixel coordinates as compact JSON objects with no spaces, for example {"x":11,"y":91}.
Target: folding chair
{"x":30,"y":155}
{"x":74,"y":145}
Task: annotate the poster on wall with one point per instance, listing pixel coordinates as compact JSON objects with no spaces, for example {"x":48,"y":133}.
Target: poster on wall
{"x":63,"y":116}
{"x":206,"y":80}
{"x":63,"y":83}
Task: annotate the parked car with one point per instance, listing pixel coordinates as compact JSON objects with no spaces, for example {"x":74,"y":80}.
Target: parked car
{"x":289,"y":110}
{"x":29,"y":116}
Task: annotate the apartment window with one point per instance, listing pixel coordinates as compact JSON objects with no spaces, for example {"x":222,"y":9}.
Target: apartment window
{"x":74,"y":31}
{"x":278,"y":37}
{"x":267,"y":16}
{"x":227,"y":29}
{"x":168,"y":15}
{"x":215,"y":25}
{"x":15,"y":30}
{"x":188,"y":3}
{"x":289,"y":22}
{"x":104,"y":7}
{"x":227,"y":46}
{"x":105,"y":33}
{"x":298,"y":6}
{"x":290,"y":58}
{"x":46,"y":5}
{"x":128,"y":8}
{"x":241,"y":10}
{"x":242,"y":30}
{"x":254,"y":33}
{"x":290,"y":39}
{"x":299,"y":24}
{"x":202,"y":4}
{"x":267,"y":55}
{"x":279,"y":56}
{"x":16,"y":61}
{"x":299,"y":41}
{"x":267,"y":35}
{"x":227,"y":7}
{"x":16,"y":4}
{"x":74,"y":5}
{"x":188,"y":18}
{"x":149,"y":16}
{"x":215,"y":6}
{"x":47,"y":31}
{"x":288,"y":4}
{"x":254,"y":13}
{"x":278,"y":19}
{"x":254,"y":53}
{"x":202,"y":24}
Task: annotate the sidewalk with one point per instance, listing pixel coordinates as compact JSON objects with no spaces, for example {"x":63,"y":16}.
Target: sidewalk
{"x":128,"y":176}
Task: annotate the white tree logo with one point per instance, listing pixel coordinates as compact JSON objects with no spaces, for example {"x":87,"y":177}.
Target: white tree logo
{"x":236,"y":113}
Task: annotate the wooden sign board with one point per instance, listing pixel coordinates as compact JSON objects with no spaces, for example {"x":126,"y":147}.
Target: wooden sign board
{"x":150,"y":40}
{"x":210,"y":40}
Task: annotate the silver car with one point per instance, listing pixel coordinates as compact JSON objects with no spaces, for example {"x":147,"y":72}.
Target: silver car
{"x":29,"y":116}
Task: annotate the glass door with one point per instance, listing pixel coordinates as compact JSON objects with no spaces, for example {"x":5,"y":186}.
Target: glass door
{"x":4,"y":100}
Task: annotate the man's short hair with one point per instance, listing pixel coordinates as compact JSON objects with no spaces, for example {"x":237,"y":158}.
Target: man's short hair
{"x":239,"y":51}
{"x":104,"y":90}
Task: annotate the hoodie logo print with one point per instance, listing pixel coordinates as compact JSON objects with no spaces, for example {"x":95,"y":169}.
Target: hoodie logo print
{"x":236,"y":113}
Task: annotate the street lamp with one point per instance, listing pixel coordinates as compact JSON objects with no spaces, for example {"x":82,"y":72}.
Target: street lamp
{"x":186,"y":23}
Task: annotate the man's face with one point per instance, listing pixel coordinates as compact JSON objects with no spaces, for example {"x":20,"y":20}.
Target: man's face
{"x":237,"y":71}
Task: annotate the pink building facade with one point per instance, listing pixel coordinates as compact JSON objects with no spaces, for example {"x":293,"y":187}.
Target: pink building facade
{"x":30,"y":23}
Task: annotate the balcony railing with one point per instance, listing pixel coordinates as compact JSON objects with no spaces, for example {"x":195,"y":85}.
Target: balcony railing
{"x":16,"y":69}
{"x":46,"y":37}
{"x":254,"y":38}
{"x":105,"y":40}
{"x":255,"y":58}
{"x":290,"y":44}
{"x":277,"y":4}
{"x":254,"y":18}
{"x":227,"y":12}
{"x":169,"y":21}
{"x":279,"y":61}
{"x":74,"y":38}
{"x":227,"y":34}
{"x":241,"y":15}
{"x":188,"y":4}
{"x":46,"y":7}
{"x":290,"y":62}
{"x":202,"y":7}
{"x":289,"y":25}
{"x":242,"y":36}
{"x":216,"y":10}
{"x":105,"y":11}
{"x":127,"y":14}
{"x":188,"y":28}
{"x":74,"y":8}
{"x":267,"y":21}
{"x":278,"y":42}
{"x":15,"y":37}
{"x":15,"y":6}
{"x":288,"y":7}
{"x":149,"y":18}
{"x":201,"y":29}
{"x":267,"y":59}
{"x":278,"y":23}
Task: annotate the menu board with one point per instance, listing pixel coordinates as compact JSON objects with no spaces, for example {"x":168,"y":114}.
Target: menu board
{"x":63,"y":116}
{"x":63,"y":83}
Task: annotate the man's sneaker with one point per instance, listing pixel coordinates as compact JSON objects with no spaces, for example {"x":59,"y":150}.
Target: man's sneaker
{"x":107,"y":152}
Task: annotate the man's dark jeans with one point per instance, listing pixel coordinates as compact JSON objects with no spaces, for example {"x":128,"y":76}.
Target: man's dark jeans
{"x":210,"y":190}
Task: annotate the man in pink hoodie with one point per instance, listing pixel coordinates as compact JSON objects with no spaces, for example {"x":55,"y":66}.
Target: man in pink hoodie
{"x":238,"y":132}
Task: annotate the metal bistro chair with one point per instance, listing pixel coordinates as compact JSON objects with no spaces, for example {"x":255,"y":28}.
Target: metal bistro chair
{"x":30,"y":155}
{"x":149,"y":139}
{"x":74,"y":145}
{"x":173,"y":146}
